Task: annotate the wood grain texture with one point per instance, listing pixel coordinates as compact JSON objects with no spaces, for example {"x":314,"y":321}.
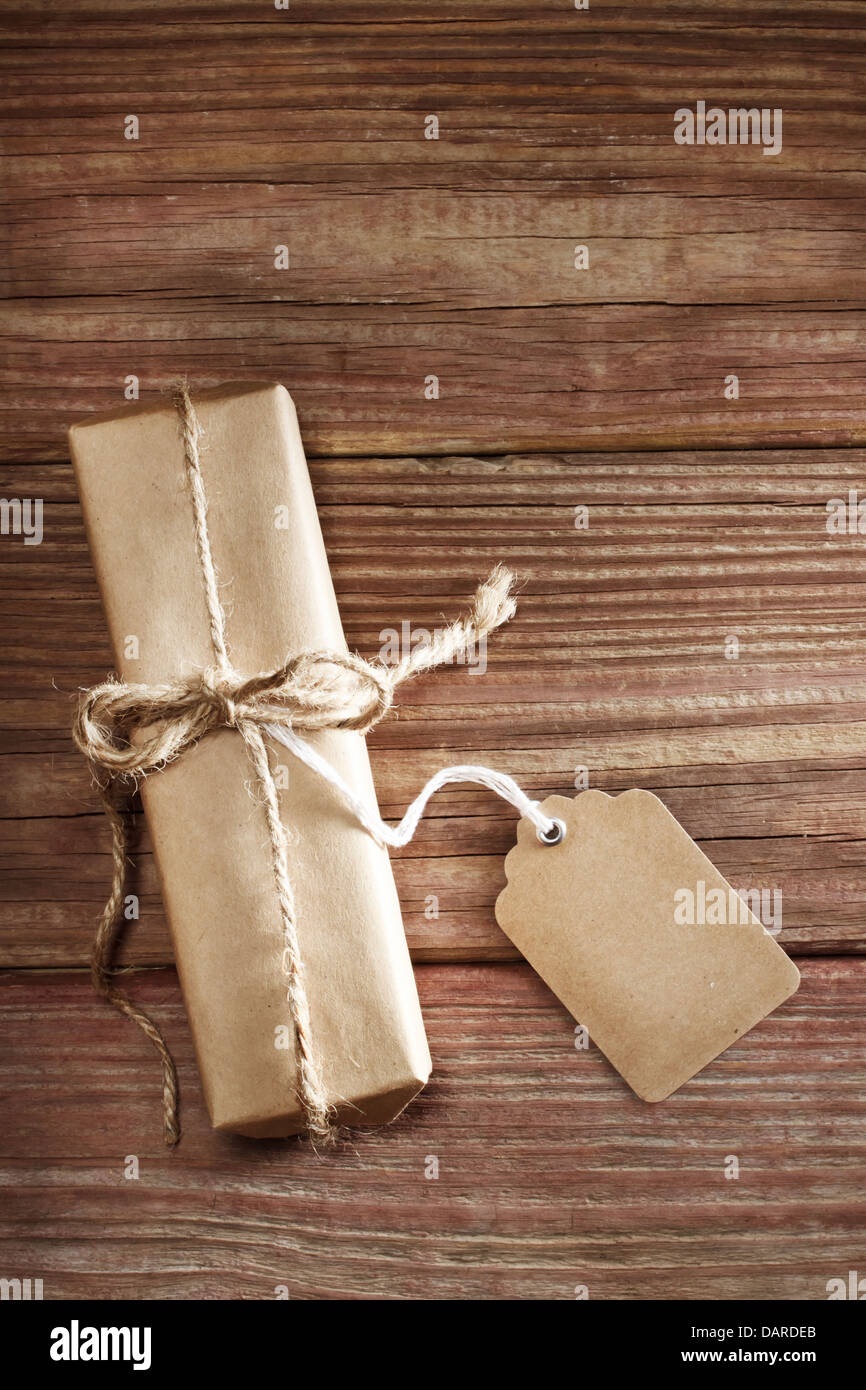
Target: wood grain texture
{"x":551,"y":1173}
{"x":615,"y":661}
{"x":454,"y":257}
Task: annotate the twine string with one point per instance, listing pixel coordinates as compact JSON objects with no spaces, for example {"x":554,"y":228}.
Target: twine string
{"x":128,"y":730}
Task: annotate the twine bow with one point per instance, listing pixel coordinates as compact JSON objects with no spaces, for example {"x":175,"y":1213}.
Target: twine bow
{"x":128,"y":730}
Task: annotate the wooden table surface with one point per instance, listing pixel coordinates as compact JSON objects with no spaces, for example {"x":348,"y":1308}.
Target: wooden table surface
{"x":558,"y":388}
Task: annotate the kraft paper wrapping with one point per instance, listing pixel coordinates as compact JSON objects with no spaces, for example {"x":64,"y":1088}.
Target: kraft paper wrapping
{"x":209,"y":834}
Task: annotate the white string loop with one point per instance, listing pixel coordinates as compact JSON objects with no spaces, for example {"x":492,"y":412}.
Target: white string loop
{"x":498,"y":782}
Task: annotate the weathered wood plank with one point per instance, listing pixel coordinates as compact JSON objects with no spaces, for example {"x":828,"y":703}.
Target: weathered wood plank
{"x":616,"y":661}
{"x":551,"y":1173}
{"x":512,"y":379}
{"x":454,"y":257}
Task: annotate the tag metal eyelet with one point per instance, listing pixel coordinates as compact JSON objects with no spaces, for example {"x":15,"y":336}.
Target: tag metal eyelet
{"x":555,"y":835}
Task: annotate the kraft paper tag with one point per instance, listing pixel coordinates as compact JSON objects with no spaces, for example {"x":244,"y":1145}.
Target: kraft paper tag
{"x":641,"y":937}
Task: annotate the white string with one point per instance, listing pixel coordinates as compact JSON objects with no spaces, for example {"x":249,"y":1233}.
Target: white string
{"x":497,"y":782}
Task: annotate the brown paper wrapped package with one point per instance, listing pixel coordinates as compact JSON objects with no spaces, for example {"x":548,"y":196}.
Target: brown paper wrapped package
{"x":208,"y":832}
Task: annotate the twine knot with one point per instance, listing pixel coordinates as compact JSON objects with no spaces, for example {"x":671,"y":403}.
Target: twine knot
{"x":220,"y":690}
{"x":129,"y":730}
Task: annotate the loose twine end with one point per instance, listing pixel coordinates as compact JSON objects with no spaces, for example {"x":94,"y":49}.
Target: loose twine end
{"x":101,"y":971}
